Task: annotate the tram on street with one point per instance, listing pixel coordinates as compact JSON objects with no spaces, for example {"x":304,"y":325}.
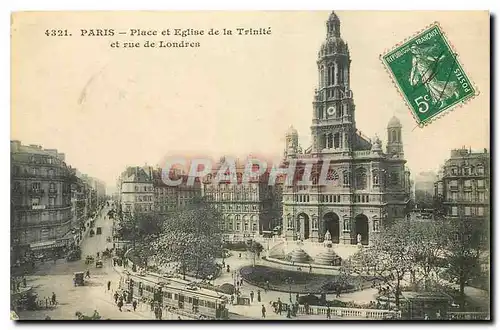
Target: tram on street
{"x":177,"y":294}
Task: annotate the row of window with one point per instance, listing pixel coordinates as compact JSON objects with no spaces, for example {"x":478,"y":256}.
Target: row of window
{"x":233,"y":196}
{"x":467,"y":211}
{"x":139,"y":207}
{"x":330,"y":198}
{"x":467,"y":196}
{"x":230,"y":226}
{"x":332,"y":74}
{"x":453,"y":184}
{"x":35,"y":171}
{"x":42,"y":216}
{"x":144,"y":198}
{"x":360,"y":178}
{"x":44,"y":160}
{"x":232,"y":187}
{"x":36,"y":201}
{"x":144,"y":188}
{"x":237,"y":207}
{"x":237,"y":217}
{"x":346,"y":225}
{"x":35,"y":186}
{"x":469,"y":170}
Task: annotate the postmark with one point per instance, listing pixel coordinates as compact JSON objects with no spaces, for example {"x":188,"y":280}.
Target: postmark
{"x":428,"y":74}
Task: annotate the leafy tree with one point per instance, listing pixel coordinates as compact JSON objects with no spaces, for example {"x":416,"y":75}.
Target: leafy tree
{"x":255,"y":248}
{"x":429,"y":244}
{"x":138,"y":226}
{"x":190,"y":239}
{"x":466,"y":241}
{"x":389,"y":260}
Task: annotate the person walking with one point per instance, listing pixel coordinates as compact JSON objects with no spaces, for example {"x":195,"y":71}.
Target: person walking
{"x":120,"y":305}
{"x":134,"y":305}
{"x":109,"y":285}
{"x":24,"y":281}
{"x":251,"y":296}
{"x":258,"y":296}
{"x":54,"y":300}
{"x":328,"y":313}
{"x":87,"y":274}
{"x":280,"y":306}
{"x":263,"y":311}
{"x":116,"y":297}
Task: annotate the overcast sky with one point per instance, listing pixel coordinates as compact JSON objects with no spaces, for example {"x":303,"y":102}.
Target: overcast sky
{"x":108,"y":108}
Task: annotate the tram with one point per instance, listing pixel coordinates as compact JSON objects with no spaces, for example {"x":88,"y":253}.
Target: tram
{"x":177,"y":294}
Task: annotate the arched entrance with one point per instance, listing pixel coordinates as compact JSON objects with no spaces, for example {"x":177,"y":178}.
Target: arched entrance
{"x":361,"y":228}
{"x":303,"y":218}
{"x":332,"y":224}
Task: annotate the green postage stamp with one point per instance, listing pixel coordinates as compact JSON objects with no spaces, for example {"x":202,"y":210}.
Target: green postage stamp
{"x":428,"y":74}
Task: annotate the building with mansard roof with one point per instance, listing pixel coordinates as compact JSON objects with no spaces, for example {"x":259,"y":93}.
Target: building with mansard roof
{"x":368,"y":187}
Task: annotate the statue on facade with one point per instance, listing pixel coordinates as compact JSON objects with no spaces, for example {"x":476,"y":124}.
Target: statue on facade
{"x":328,"y":237}
{"x":359,"y":238}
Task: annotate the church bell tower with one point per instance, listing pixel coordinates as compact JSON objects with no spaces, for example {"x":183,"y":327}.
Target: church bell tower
{"x":333,"y":127}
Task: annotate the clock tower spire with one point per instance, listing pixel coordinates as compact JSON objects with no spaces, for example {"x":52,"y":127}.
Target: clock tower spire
{"x":333,"y":127}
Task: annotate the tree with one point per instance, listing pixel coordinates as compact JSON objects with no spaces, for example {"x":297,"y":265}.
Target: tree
{"x":190,"y":239}
{"x":466,"y":241}
{"x":389,"y":260}
{"x":429,"y":246}
{"x":138,"y":226}
{"x":255,"y":248}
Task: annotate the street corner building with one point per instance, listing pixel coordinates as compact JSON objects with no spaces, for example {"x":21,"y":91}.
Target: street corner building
{"x":370,"y":187}
{"x":50,"y":202}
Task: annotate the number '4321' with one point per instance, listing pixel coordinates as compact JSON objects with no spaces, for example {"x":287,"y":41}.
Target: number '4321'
{"x":57,"y":33}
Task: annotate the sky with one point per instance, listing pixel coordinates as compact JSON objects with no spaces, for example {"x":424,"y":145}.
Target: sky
{"x":108,"y":108}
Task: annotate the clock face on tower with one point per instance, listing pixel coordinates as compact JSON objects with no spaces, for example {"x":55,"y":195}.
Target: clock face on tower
{"x":331,"y":111}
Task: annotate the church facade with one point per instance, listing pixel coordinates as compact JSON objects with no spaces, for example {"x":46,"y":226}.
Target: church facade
{"x":367,"y":187}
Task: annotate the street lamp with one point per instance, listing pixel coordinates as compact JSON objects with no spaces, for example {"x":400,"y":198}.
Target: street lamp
{"x":289,"y":281}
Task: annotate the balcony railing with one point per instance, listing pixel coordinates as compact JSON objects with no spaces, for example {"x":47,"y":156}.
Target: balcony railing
{"x":40,"y":207}
{"x":36,"y":192}
{"x":41,"y":175}
{"x":41,"y":224}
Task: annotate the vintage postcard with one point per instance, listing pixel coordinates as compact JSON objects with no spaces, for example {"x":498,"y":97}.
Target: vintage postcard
{"x":258,"y":165}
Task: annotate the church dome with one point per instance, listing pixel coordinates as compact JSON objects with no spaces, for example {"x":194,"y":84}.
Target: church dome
{"x":394,"y":123}
{"x":292,"y":131}
{"x":299,"y":256}
{"x":328,"y":258}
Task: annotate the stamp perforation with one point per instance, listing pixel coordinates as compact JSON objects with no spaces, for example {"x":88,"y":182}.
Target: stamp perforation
{"x":449,"y":109}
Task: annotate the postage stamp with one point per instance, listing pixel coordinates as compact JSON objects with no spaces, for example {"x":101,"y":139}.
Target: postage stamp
{"x":428,"y":74}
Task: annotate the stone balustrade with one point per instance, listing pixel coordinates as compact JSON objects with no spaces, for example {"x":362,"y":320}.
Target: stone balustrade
{"x":469,"y":315}
{"x":350,"y":313}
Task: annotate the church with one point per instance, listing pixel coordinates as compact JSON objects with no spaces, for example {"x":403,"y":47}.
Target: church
{"x":368,"y":187}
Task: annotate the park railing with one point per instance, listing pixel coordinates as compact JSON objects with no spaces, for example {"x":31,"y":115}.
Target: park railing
{"x":350,"y":313}
{"x":469,"y":315}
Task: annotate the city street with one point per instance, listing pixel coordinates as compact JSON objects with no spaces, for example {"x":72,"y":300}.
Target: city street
{"x":58,"y":278}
